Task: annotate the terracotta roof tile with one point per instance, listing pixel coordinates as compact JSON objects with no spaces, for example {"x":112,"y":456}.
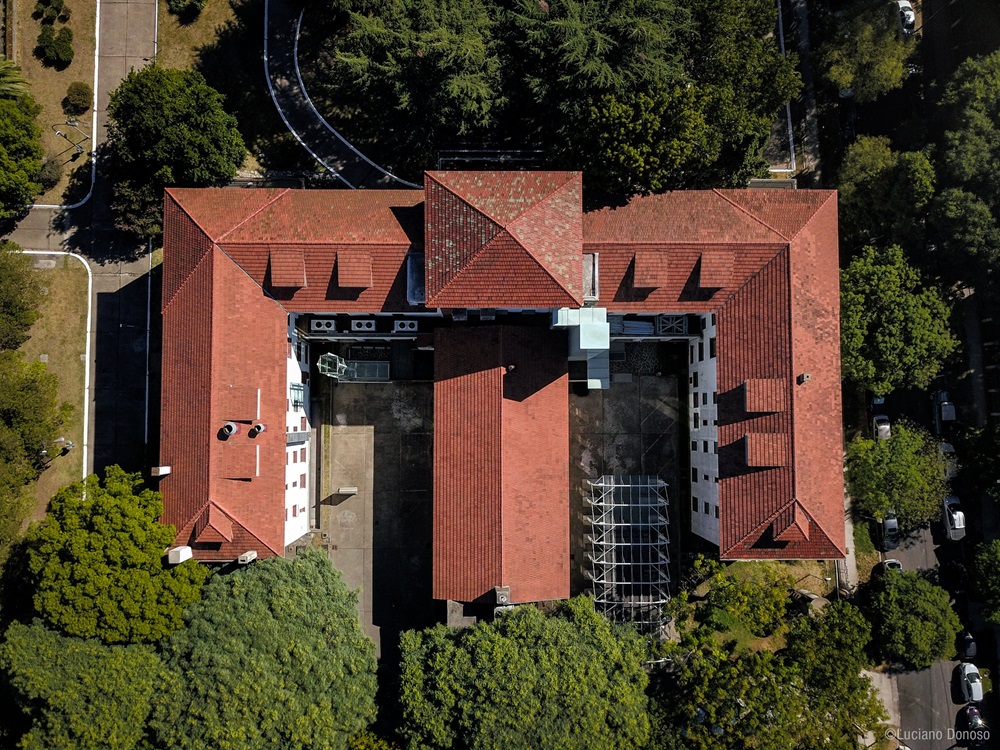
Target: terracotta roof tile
{"x":763,"y":395}
{"x":766,"y":449}
{"x":287,"y":267}
{"x":354,"y":268}
{"x":534,"y":217}
{"x":501,"y":471}
{"x":716,"y":269}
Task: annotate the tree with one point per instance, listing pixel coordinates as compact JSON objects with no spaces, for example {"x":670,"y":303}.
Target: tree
{"x":98,"y":565}
{"x":20,"y":159}
{"x":526,"y":680}
{"x":965,"y":237}
{"x":13,"y":84}
{"x":904,"y":473}
{"x":883,"y":193}
{"x":20,"y":296}
{"x":829,"y":650}
{"x":912,"y":618}
{"x":273,"y":656}
{"x":79,"y":97}
{"x":755,"y":595}
{"x":719,"y":700}
{"x":78,"y":694}
{"x":866,"y":53}
{"x":894,"y":329}
{"x":166,"y":128}
{"x":988,"y":579}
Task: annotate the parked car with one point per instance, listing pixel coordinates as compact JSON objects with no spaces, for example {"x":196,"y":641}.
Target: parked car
{"x":890,"y":531}
{"x":907,"y":18}
{"x":966,"y":646}
{"x":954,"y":518}
{"x":944,"y":410}
{"x":890,"y":564}
{"x":972,"y":683}
{"x":949,"y":458}
{"x":975,"y":725}
{"x":881,"y":428}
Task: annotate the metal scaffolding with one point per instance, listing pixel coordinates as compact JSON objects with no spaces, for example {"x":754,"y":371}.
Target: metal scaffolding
{"x":629,"y":553}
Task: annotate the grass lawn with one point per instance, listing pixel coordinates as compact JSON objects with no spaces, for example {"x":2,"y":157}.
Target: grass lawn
{"x":48,"y":86}
{"x":61,"y":334}
{"x":178,"y":43}
{"x":864,"y":550}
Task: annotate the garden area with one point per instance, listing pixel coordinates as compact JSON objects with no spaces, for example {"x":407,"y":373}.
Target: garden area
{"x":55,"y":49}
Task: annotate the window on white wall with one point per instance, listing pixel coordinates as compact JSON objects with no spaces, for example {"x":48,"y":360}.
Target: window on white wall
{"x":297,"y":395}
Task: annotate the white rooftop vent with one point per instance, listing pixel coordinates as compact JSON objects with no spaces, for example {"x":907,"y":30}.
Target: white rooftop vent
{"x":159,"y":471}
{"x":362,"y":325}
{"x":502,"y":594}
{"x":177,"y":555}
{"x":322,"y":324}
{"x":404,"y":326}
{"x":257,"y":429}
{"x":230,"y":428}
{"x":247,"y":557}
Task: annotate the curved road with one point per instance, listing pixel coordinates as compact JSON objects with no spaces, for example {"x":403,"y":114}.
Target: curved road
{"x":282,"y":21}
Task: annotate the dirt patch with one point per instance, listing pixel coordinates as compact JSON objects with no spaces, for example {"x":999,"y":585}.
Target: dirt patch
{"x":48,"y":87}
{"x":60,"y":338}
{"x":178,"y":43}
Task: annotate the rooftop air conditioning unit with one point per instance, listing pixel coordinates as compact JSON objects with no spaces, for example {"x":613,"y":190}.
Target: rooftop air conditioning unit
{"x":503,"y":595}
{"x":159,"y":471}
{"x":177,"y":555}
{"x":404,"y":326}
{"x":487,"y":314}
{"x":322,"y":324}
{"x":247,"y":557}
{"x":460,"y":314}
{"x":362,"y":325}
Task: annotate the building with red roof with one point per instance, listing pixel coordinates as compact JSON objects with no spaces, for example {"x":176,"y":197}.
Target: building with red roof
{"x":748,"y":280}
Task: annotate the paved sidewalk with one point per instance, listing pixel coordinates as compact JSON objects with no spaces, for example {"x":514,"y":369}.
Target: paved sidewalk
{"x":327,"y":146}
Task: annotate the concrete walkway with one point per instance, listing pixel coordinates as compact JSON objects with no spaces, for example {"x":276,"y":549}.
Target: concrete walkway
{"x":809,"y":152}
{"x":282,"y":22}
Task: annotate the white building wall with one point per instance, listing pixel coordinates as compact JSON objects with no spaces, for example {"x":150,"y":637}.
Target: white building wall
{"x":298,"y":455}
{"x":704,"y":437}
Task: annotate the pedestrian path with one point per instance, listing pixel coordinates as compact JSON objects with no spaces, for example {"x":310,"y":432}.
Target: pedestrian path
{"x":282,"y":22}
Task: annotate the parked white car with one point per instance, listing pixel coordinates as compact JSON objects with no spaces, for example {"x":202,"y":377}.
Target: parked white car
{"x":972,"y":683}
{"x":907,"y":18}
{"x":954,"y":518}
{"x":881,"y":428}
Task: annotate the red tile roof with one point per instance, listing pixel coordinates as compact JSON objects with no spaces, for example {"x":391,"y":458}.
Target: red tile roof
{"x":777,"y":317}
{"x":503,"y":239}
{"x":501,"y":474}
{"x":218,"y":368}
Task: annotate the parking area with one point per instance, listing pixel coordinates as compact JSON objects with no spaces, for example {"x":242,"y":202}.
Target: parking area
{"x":631,"y":428}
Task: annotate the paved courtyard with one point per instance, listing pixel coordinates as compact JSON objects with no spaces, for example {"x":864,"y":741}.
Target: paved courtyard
{"x":395,"y":452}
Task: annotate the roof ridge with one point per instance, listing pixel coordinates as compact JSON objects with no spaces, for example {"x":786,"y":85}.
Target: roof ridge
{"x":510,"y":230}
{"x":252,"y":214}
{"x":754,"y":532}
{"x":182,"y":207}
{"x":504,"y":231}
{"x":561,"y":186}
{"x":247,"y":274}
{"x":187,"y":278}
{"x":763,"y":267}
{"x":752,"y":215}
{"x":831,"y":194}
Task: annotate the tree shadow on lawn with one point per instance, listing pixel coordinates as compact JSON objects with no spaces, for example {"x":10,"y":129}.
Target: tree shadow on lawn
{"x":234,"y":65}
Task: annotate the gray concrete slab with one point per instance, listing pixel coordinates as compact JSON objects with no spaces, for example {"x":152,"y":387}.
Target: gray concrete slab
{"x":114,"y":16}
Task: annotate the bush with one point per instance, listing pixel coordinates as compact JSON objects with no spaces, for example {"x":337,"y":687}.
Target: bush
{"x":51,"y":173}
{"x":54,"y":48}
{"x":186,"y":8}
{"x":754,"y":596}
{"x":79,"y":96}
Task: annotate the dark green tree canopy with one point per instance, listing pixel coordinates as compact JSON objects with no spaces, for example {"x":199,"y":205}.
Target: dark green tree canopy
{"x":866,"y":52}
{"x":166,"y":128}
{"x":527,"y":680}
{"x":78,"y":694}
{"x":273,"y":656}
{"x":20,"y":158}
{"x":912,"y":619}
{"x":98,"y":563}
{"x":904,"y":473}
{"x":20,"y":296}
{"x":987,"y":579}
{"x":894,"y":328}
{"x":642,"y":94}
